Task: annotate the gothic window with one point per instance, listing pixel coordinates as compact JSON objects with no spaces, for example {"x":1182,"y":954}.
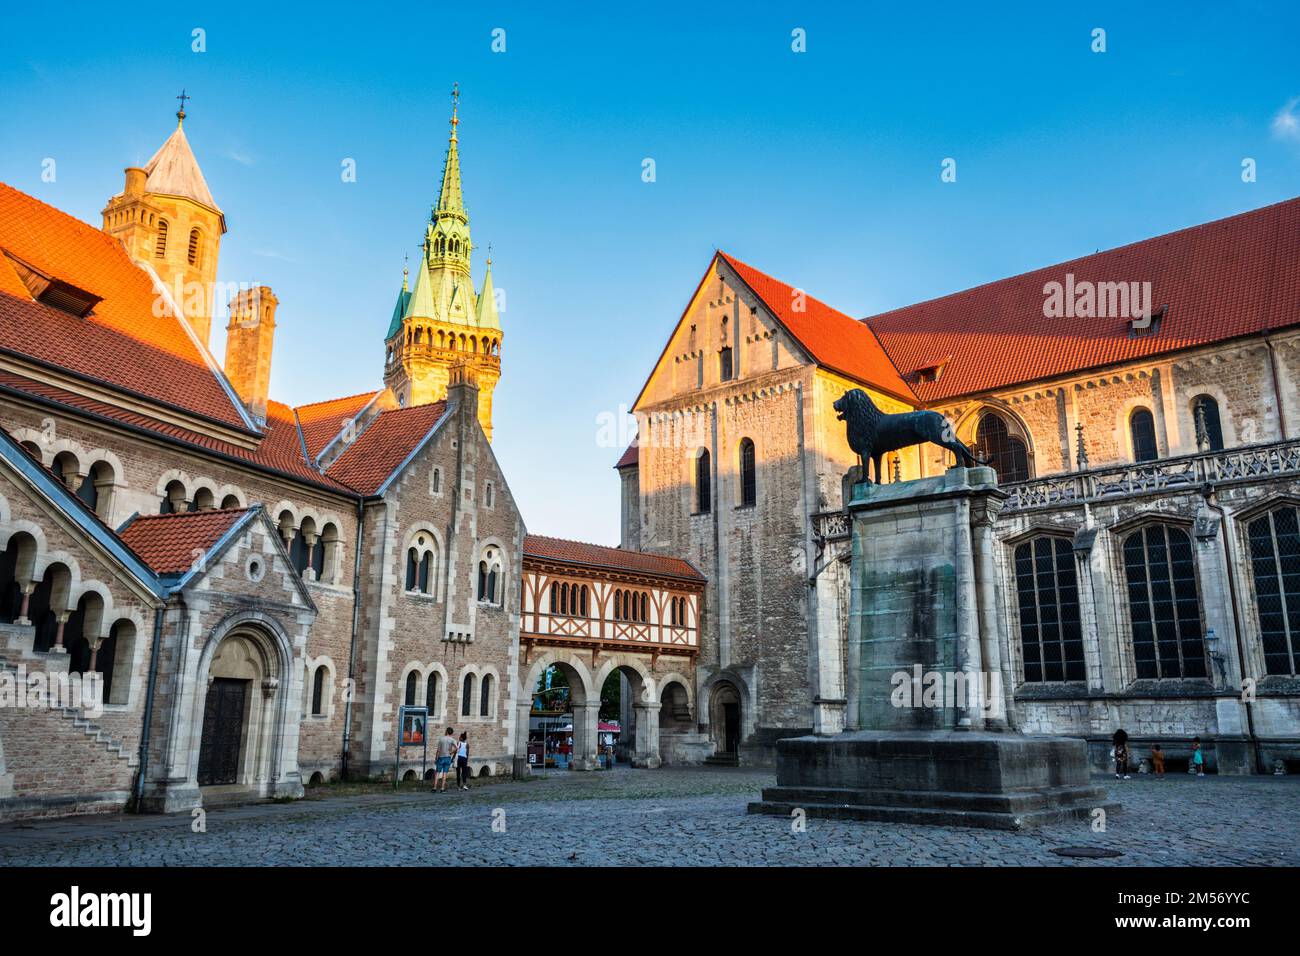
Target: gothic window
{"x":1142,"y":430}
{"x":1164,"y":604}
{"x":748,"y":476}
{"x":485,"y":697}
{"x":1205,"y":420}
{"x":583,"y":601}
{"x":725,"y":371}
{"x":703,"y":482}
{"x":160,"y":251}
{"x":195,"y":247}
{"x":1005,"y":452}
{"x":467,"y":696}
{"x":1275,"y":564}
{"x":412,"y":682}
{"x":318,"y":691}
{"x":431,"y":693}
{"x":1051,"y":640}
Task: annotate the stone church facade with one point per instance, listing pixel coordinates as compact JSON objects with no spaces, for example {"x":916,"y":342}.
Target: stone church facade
{"x":259,"y":586}
{"x":1148,"y":562}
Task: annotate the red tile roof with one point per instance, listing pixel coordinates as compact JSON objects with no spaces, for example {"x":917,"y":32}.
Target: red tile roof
{"x":280,"y":450}
{"x":384,"y":446}
{"x":121,"y":342}
{"x":600,"y":556}
{"x":172,"y":544}
{"x":631,"y":456}
{"x":1223,"y":279}
{"x":835,"y":341}
{"x":321,"y":422}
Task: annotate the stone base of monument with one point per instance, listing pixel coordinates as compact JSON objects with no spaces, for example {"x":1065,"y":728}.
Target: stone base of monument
{"x":1002,"y":781}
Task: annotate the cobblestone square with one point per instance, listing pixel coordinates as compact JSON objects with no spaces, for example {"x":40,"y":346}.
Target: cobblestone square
{"x":665,"y":817}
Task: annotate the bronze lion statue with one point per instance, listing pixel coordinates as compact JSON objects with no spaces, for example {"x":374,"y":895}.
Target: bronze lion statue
{"x":872,"y":433}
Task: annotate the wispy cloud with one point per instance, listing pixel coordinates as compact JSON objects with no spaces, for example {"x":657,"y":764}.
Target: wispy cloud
{"x":1286,"y":124}
{"x":273,"y":254}
{"x":244,"y":159}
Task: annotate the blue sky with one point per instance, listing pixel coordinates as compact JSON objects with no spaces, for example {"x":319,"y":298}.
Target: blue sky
{"x":822,"y":168}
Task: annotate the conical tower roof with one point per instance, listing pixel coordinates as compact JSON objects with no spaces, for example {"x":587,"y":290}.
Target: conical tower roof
{"x":173,"y":171}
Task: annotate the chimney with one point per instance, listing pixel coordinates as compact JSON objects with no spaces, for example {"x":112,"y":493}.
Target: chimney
{"x":135,"y":180}
{"x":249,"y":338}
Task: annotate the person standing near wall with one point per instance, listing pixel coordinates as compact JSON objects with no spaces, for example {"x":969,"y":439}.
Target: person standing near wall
{"x":462,"y":761}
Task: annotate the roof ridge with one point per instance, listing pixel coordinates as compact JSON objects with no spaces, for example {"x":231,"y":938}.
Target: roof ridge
{"x":331,"y":401}
{"x":188,"y":514}
{"x":1065,"y":262}
{"x":589,"y":544}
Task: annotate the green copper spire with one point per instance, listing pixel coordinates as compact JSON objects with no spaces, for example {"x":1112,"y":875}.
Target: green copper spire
{"x":486,"y":317}
{"x":450,"y":199}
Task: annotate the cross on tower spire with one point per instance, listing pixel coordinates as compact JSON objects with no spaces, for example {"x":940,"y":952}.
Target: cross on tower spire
{"x":180,"y":113}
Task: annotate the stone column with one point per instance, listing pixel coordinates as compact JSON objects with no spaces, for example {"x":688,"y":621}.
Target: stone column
{"x":523,"y":715}
{"x":647,"y":736}
{"x":585,"y":718}
{"x":58,"y":647}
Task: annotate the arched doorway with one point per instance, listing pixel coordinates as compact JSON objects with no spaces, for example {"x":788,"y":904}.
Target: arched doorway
{"x":240,"y":729}
{"x":726,"y":725}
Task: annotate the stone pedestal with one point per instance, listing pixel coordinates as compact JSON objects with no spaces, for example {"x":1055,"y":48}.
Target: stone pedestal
{"x":929,"y":738}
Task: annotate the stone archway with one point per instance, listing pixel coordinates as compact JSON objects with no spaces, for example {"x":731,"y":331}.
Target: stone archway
{"x":243,"y":735}
{"x":641,"y":706}
{"x":585,"y":701}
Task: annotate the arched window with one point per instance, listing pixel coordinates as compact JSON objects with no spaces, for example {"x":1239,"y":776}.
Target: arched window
{"x":1051,"y":640}
{"x":412,"y":682}
{"x":467,"y":696}
{"x":318,"y":691}
{"x":645,"y":608}
{"x":1005,"y":452}
{"x":725,"y":369}
{"x":583,"y":609}
{"x":422,"y":565}
{"x":748,"y":475}
{"x":436,"y":484}
{"x":1209,"y":430}
{"x":431,"y":693}
{"x":196,"y":247}
{"x":160,"y":250}
{"x":1275,"y":567}
{"x":703,"y":482}
{"x":485,"y":697}
{"x":1164,"y":604}
{"x":1142,"y":430}
{"x":489,"y":577}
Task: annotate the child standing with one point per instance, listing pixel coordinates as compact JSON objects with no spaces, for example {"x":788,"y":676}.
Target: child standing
{"x":1120,"y":741}
{"x":1198,"y":757}
{"x":1157,"y":760}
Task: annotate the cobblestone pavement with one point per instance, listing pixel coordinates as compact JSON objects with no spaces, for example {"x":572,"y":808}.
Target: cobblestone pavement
{"x":674,"y":817}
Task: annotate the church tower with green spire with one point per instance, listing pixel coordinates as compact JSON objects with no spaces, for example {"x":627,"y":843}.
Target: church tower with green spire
{"x":439,"y":323}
